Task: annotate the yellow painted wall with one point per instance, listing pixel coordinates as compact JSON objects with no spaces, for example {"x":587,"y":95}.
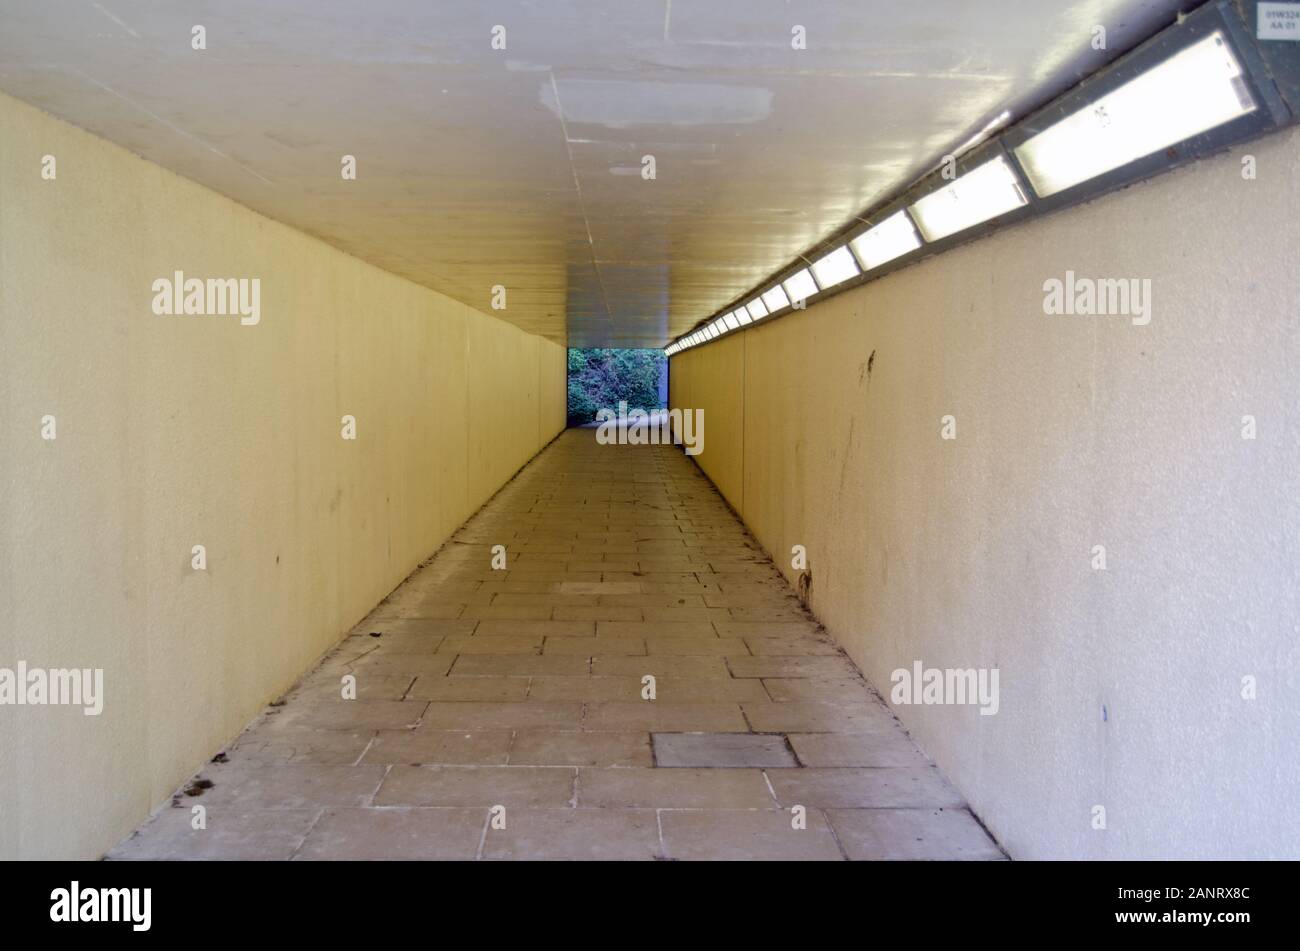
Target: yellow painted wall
{"x":177,"y":431}
{"x":553,"y":385}
{"x":715,"y":378}
{"x":1071,"y":432}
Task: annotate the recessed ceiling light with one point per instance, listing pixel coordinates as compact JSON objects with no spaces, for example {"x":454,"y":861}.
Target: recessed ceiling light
{"x":985,"y":192}
{"x":774,"y":299}
{"x":835,"y":268}
{"x":892,"y":238}
{"x":1194,"y":90}
{"x":800,"y":286}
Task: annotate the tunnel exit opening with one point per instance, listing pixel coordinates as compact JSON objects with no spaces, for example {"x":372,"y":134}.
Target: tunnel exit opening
{"x":602,"y":379}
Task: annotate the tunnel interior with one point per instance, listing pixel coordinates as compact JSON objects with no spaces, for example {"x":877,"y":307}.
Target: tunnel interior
{"x":664,"y":431}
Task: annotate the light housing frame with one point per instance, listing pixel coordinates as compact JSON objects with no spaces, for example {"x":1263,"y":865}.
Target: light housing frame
{"x":773,"y":292}
{"x":878,"y":229}
{"x":1196,"y":89}
{"x":993,"y":165}
{"x":833,"y":257}
{"x":1270,"y":110}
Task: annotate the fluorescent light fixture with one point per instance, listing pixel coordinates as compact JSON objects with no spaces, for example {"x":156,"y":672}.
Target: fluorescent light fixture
{"x":756,"y":308}
{"x":890,"y":239}
{"x":835,"y":268}
{"x":742,"y":316}
{"x":774,"y":299}
{"x":984,"y":192}
{"x":800,"y":286}
{"x":732,"y":322}
{"x":1196,"y":89}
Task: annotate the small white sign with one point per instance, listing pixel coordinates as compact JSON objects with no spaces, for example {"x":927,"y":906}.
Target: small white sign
{"x":1278,"y":21}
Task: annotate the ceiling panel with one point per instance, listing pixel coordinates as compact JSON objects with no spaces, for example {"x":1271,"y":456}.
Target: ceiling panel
{"x":522,"y":166}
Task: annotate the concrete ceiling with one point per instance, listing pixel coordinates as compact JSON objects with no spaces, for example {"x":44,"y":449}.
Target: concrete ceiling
{"x":522,"y":167}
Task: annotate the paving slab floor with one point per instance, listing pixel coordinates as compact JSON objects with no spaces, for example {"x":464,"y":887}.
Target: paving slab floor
{"x":507,"y":713}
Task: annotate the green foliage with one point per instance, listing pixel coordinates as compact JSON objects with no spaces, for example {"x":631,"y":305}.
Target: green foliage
{"x":599,"y":379}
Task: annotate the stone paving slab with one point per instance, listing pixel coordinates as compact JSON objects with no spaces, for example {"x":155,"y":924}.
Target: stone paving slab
{"x":723,"y":749}
{"x":609,"y":835}
{"x":912,"y":835}
{"x":885,"y":748}
{"x":546,"y":748}
{"x":440,"y":748}
{"x":674,"y":788}
{"x":410,"y":834}
{"x":477,"y":786}
{"x":747,"y":836}
{"x":229,"y":835}
{"x":874,"y":787}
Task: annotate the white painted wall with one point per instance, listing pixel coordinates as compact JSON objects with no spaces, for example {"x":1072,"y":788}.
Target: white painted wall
{"x":178,"y":431}
{"x":1071,"y":432}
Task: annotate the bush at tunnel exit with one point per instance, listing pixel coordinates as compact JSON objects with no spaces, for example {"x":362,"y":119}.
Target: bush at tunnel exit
{"x":599,"y":379}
